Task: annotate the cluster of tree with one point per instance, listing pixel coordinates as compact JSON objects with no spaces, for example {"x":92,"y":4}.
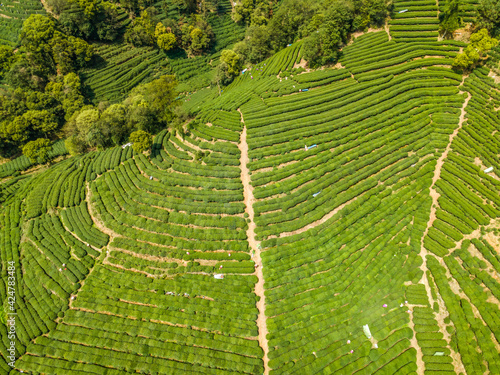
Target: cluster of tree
{"x":229,"y":67}
{"x":38,"y":150}
{"x":325,"y":25}
{"x":44,"y":98}
{"x":193,"y":34}
{"x":193,"y":6}
{"x":45,"y":52}
{"x":450,"y":19}
{"x":488,"y":16}
{"x":44,"y":89}
{"x":477,"y":50}
{"x":135,"y":6}
{"x":27,"y":115}
{"x":253,"y":12}
{"x":89,"y":19}
{"x":148,"y":108}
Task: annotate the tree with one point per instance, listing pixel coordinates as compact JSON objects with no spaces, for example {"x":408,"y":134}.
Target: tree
{"x":222,"y":76}
{"x":199,"y":41}
{"x":67,"y":90}
{"x":284,"y":26}
{"x":261,"y":13}
{"x":24,"y":75}
{"x":141,"y":140}
{"x":243,"y":10}
{"x":90,"y":7}
{"x":70,"y":53}
{"x":37,"y":151}
{"x":255,"y":12}
{"x":206,"y":6}
{"x":74,"y":145}
{"x":258,"y":42}
{"x":85,"y":121}
{"x":151,"y":105}
{"x":15,"y":131}
{"x":41,"y":121}
{"x":196,"y":35}
{"x":311,"y":50}
{"x":242,"y":49}
{"x":232,"y":61}
{"x":450,"y":20}
{"x":185,"y":6}
{"x":338,"y":19}
{"x":7,"y":58}
{"x":142,"y":31}
{"x":49,"y":51}
{"x":139,"y":114}
{"x":166,"y":41}
{"x":480,"y":44}
{"x":91,"y":19}
{"x":109,"y":22}
{"x":36,"y":36}
{"x":370,"y":12}
{"x":113,"y":124}
{"x":488,"y":16}
{"x":57,"y":6}
{"x":164,"y":38}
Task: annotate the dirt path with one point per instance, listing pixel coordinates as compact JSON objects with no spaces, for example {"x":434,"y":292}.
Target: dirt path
{"x":386,"y":28}
{"x":457,"y":363}
{"x":254,"y":245}
{"x":97,"y":219}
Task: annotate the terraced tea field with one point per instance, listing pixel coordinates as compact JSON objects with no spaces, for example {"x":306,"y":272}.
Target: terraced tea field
{"x":120,"y":67}
{"x":293,"y":212}
{"x":12,"y":15}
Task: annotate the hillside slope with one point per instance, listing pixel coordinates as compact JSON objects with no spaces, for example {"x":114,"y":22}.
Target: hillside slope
{"x":328,"y":200}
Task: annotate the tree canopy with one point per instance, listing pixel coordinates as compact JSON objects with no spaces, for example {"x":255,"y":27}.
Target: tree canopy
{"x":450,"y":19}
{"x":141,"y":141}
{"x":37,"y":151}
{"x":488,"y":16}
{"x":480,"y":44}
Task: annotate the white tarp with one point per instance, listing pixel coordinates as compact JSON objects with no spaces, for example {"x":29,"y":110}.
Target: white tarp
{"x":367,"y":332}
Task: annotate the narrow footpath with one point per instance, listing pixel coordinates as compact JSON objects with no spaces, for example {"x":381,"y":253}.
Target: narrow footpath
{"x":254,"y":245}
{"x":457,"y":361}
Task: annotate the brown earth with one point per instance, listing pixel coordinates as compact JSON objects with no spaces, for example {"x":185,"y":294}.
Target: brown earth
{"x":254,"y":245}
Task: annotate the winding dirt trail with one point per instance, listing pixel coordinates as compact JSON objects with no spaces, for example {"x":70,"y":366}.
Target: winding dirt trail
{"x":386,"y":28}
{"x":457,"y":362}
{"x":254,"y":245}
{"x":48,"y":9}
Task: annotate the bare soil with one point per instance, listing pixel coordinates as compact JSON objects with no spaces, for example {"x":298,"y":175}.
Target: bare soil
{"x":254,"y":245}
{"x":457,"y":363}
{"x":301,"y":64}
{"x":386,"y":28}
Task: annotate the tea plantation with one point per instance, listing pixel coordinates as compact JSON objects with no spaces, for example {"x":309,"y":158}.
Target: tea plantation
{"x":12,"y":15}
{"x":298,"y":207}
